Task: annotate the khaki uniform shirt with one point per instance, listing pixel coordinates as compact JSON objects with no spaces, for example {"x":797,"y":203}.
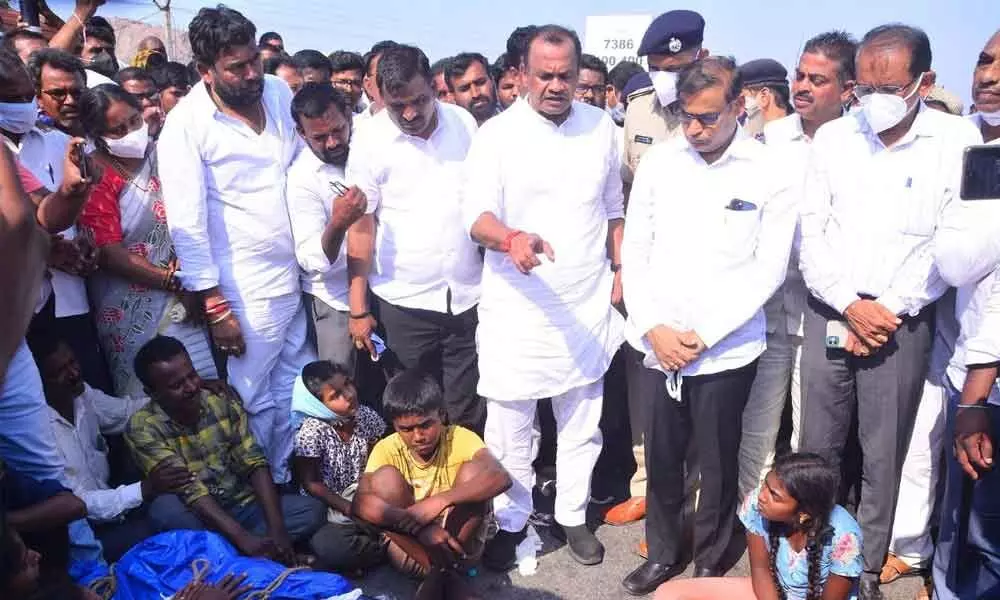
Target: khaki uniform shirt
{"x":647,"y":122}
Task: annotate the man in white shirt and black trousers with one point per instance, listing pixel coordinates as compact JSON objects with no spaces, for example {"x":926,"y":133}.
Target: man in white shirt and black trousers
{"x":321,"y":209}
{"x":224,"y":153}
{"x":709,"y":230}
{"x":878,"y":181}
{"x":410,"y":246}
{"x":543,"y":195}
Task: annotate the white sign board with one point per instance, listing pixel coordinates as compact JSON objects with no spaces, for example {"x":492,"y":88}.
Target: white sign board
{"x":615,"y":38}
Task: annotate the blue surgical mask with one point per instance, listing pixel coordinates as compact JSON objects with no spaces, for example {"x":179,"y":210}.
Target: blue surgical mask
{"x":18,"y":117}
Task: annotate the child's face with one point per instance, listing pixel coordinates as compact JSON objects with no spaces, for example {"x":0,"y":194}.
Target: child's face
{"x":340,"y":396}
{"x":420,"y":433}
{"x":775,"y":503}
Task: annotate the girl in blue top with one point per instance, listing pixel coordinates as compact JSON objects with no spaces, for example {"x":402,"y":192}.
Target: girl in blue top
{"x":802,"y":545}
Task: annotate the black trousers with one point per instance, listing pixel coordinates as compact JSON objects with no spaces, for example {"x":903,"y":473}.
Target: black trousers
{"x":709,"y":415}
{"x":444,"y":344}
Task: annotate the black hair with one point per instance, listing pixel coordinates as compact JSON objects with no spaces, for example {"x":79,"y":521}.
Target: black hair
{"x":9,"y":41}
{"x":11,"y":556}
{"x":161,"y":348}
{"x":781,"y":93}
{"x":399,"y":65}
{"x":342,"y":60}
{"x":813,"y":483}
{"x":43,"y":343}
{"x":314,"y":99}
{"x":274,"y":63}
{"x":99,"y":27}
{"x":709,"y":72}
{"x":553,"y":34}
{"x":11,"y":66}
{"x":94,"y":105}
{"x":171,"y":74}
{"x":319,"y":372}
{"x":133,"y":74}
{"x":517,"y":44}
{"x":622,"y":72}
{"x":911,"y":38}
{"x":377,"y":50}
{"x":500,"y":67}
{"x":457,"y":66}
{"x":313,"y":59}
{"x":193,"y":73}
{"x":56,"y":59}
{"x":267,"y":36}
{"x":592,"y":63}
{"x":838,"y":46}
{"x":412,"y":392}
{"x":214,"y":30}
{"x":440,"y":66}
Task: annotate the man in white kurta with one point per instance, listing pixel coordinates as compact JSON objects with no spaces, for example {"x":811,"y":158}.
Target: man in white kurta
{"x":224,"y":191}
{"x":546,"y":184}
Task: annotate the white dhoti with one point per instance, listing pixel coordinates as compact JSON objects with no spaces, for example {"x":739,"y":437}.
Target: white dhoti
{"x":274,"y":330}
{"x":551,"y":334}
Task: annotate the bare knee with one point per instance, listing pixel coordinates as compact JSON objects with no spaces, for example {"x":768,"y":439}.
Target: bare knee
{"x":389,"y":484}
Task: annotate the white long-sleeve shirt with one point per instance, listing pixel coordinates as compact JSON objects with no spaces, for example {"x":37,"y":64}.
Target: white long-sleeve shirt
{"x":310,"y":204}
{"x":787,"y":306}
{"x":705,"y":246}
{"x":85,"y":451}
{"x":224,"y":191}
{"x":553,"y":329}
{"x":870,"y":212}
{"x":413,"y":187}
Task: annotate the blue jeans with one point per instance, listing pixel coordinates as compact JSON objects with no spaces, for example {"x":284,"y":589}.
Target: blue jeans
{"x":967,"y":559}
{"x":302,"y":515}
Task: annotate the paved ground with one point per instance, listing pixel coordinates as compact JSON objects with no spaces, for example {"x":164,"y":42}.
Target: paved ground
{"x":560,"y":577}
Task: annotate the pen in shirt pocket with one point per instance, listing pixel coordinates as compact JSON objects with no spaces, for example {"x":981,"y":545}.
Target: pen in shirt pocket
{"x":740,"y":205}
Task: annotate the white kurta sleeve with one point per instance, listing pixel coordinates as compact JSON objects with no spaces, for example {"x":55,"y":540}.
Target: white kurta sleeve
{"x":734,"y":297}
{"x":614,"y":198}
{"x":482,"y":188}
{"x":637,"y":249}
{"x":307,"y":215}
{"x":105,"y":505}
{"x":966,"y":245}
{"x":819,"y":263}
{"x":185,"y":199}
{"x":362,"y":170}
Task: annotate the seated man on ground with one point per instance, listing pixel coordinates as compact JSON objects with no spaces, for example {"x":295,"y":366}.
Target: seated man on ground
{"x":429,"y":486}
{"x":333,"y":438}
{"x":230,"y":489}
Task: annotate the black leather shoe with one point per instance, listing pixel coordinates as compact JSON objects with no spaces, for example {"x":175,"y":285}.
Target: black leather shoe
{"x":648,"y":577}
{"x":869,"y":590}
{"x":706,"y":572}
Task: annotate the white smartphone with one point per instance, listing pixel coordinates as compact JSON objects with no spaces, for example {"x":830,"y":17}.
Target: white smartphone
{"x":836,"y":334}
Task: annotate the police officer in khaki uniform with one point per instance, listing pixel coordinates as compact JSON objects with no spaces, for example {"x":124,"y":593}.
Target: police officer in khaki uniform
{"x":672,"y":42}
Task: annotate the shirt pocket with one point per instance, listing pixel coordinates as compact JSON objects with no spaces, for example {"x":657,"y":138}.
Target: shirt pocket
{"x":919,"y":207}
{"x":739,"y":230}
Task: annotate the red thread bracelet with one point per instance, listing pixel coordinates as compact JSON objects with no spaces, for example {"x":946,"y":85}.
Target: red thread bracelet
{"x":505,"y":246}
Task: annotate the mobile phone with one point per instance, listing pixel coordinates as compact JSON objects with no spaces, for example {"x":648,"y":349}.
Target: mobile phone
{"x":81,"y":158}
{"x":981,"y":173}
{"x":836,"y":335}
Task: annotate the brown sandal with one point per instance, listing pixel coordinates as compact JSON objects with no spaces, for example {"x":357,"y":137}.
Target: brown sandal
{"x":894,"y":569}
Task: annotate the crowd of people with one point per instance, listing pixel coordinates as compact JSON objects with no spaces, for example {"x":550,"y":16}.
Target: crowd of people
{"x":348,"y":310}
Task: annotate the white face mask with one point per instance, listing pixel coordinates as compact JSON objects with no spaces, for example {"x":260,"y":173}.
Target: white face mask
{"x":132,"y":145}
{"x":665,"y":84}
{"x":750,"y":104}
{"x":18,"y":117}
{"x":991,"y":118}
{"x":885,"y":111}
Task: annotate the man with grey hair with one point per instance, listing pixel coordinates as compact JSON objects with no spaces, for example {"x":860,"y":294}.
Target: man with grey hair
{"x":698,"y":324}
{"x":892,"y":167}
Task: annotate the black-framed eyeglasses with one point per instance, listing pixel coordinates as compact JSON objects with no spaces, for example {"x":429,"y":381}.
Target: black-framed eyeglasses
{"x":705,"y":119}
{"x":349,"y":83}
{"x":152,"y":96}
{"x":60,"y":94}
{"x":862,"y":89}
{"x":596,"y":90}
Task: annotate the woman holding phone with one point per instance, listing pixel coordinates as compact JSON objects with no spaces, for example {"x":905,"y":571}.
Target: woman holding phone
{"x":137,"y":293}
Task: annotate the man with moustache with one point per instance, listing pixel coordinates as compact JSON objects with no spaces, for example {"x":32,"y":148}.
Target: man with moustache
{"x":543,"y":196}
{"x":348,"y":74}
{"x":824,"y":82}
{"x":438,"y":69}
{"x":410,"y":246}
{"x":224,"y":153}
{"x":878,"y":181}
{"x":321,"y":213}
{"x":468,"y":78}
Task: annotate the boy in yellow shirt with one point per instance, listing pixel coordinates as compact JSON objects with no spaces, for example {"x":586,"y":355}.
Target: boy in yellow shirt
{"x":429,"y":486}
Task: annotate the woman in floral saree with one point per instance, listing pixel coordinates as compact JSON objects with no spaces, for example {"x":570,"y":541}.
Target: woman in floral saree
{"x":137,"y":293}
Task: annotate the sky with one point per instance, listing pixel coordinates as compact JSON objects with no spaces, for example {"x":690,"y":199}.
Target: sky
{"x":745,"y":29}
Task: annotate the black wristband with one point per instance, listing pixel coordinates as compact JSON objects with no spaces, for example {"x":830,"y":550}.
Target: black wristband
{"x":615,"y":268}
{"x":361,"y":315}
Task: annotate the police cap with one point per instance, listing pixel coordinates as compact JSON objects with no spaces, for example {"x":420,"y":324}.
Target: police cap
{"x":673,"y":32}
{"x":763,"y":71}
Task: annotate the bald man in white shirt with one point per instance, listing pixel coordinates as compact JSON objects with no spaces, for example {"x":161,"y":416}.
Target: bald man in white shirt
{"x":697,"y":323}
{"x":543,"y":196}
{"x":879,"y":179}
{"x":224,"y":153}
